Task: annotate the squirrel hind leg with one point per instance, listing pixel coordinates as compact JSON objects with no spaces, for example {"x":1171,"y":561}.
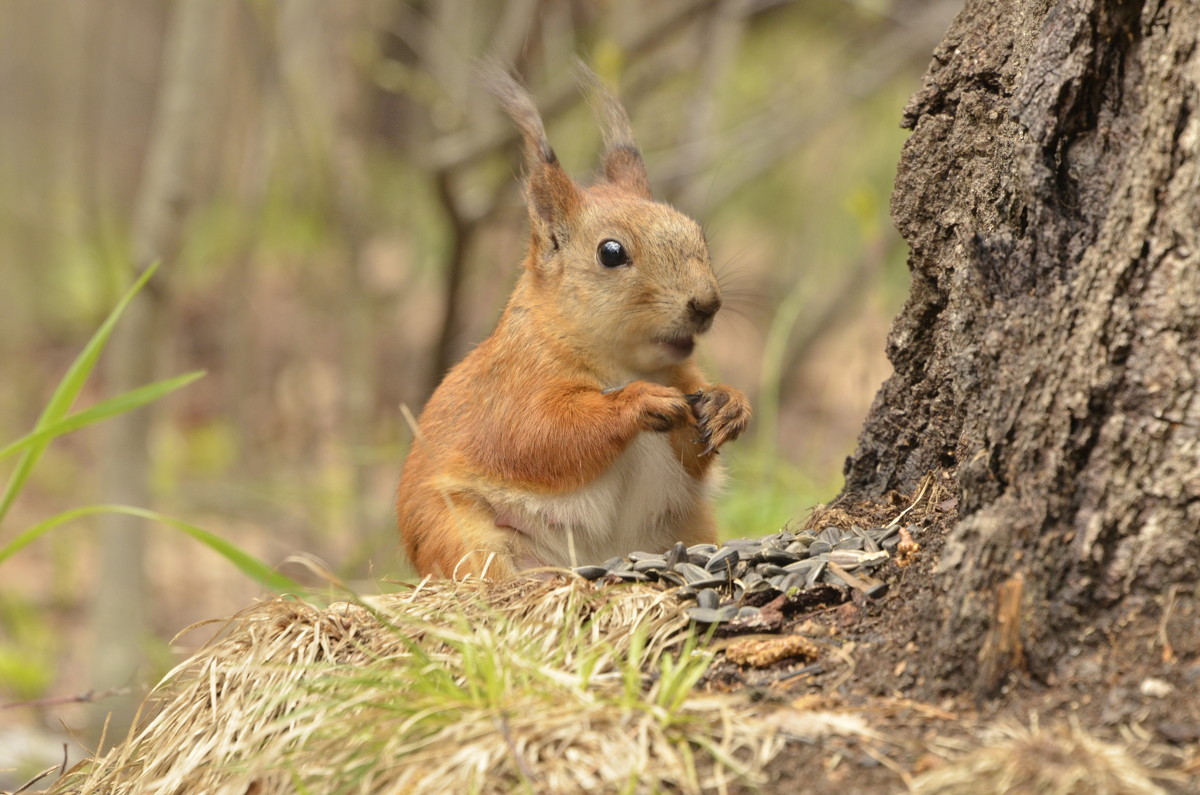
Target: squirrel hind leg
{"x":699,"y":526}
{"x":496,"y":566}
{"x":463,"y":541}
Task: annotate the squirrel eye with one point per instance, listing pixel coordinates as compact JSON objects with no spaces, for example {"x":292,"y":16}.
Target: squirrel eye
{"x":612,"y":254}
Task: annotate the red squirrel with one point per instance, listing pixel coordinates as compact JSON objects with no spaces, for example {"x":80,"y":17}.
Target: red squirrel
{"x":581,"y":429}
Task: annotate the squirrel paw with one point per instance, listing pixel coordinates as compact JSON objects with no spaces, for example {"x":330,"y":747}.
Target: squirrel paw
{"x":722,"y":413}
{"x":660,"y":408}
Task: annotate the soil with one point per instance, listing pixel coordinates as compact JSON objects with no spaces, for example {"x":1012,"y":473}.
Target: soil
{"x":1119,"y":689}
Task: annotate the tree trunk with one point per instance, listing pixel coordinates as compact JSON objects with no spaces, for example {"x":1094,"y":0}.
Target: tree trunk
{"x":118,"y":612}
{"x":1047,"y":358}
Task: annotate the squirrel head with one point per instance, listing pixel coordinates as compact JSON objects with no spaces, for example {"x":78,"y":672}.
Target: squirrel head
{"x":628,"y":279}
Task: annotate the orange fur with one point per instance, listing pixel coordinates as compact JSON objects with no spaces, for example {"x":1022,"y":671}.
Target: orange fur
{"x":548,"y":428}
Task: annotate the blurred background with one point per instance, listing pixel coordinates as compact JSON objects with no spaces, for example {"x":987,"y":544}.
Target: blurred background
{"x":336,"y":209}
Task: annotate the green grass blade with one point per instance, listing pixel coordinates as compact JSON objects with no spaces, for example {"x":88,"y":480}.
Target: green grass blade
{"x":72,"y":383}
{"x":249,"y":565}
{"x":101,"y":411}
{"x":68,"y":389}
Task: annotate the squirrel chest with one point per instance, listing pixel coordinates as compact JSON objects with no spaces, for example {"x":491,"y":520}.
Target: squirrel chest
{"x":636,"y":503}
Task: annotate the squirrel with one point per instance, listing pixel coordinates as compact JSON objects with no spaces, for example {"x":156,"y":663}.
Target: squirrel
{"x":581,"y":428}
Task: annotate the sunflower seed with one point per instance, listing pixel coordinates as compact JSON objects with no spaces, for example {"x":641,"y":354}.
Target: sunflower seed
{"x":650,"y":564}
{"x":848,"y":559}
{"x":691,"y":572}
{"x":787,"y":561}
{"x":793,"y":580}
{"x":704,"y":615}
{"x":591,"y":572}
{"x":801,"y":566}
{"x":780,"y":557}
{"x":877,"y":590}
{"x":676,"y":554}
{"x":723,"y":561}
{"x":672,"y":577}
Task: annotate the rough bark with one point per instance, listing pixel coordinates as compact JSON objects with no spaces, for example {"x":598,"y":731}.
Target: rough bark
{"x":1048,"y":354}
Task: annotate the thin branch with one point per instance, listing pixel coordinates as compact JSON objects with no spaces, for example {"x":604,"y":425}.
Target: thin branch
{"x":461,"y":232}
{"x":836,"y":302}
{"x":459,"y":151}
{"x":89,"y":697}
{"x":723,"y":34}
{"x":790,"y":123}
{"x":511,"y":30}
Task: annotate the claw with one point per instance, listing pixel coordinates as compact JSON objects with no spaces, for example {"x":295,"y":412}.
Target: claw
{"x":721,"y":416}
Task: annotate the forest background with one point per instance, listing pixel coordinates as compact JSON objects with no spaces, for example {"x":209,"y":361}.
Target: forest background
{"x":346,"y":224}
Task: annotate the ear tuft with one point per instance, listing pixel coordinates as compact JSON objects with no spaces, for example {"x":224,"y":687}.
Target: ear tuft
{"x":516,"y":102}
{"x":553,"y":196}
{"x":623,"y":163}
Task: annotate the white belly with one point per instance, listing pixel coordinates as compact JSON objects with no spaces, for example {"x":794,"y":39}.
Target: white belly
{"x":637,"y":503}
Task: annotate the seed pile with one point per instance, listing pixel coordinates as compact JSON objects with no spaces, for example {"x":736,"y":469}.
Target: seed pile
{"x":728,"y":582}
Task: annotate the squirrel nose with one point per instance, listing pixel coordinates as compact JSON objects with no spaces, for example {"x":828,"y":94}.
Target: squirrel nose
{"x":702,"y":310}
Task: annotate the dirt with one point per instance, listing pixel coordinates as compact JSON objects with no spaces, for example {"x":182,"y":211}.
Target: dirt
{"x":1133,"y":686}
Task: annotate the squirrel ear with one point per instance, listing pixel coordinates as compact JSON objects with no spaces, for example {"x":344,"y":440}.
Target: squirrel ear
{"x":553,"y":199}
{"x":623,"y":164}
{"x":552,"y":195}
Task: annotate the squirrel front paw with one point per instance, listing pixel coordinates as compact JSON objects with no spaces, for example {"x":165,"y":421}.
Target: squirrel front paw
{"x":659,"y":408}
{"x":722,"y":413}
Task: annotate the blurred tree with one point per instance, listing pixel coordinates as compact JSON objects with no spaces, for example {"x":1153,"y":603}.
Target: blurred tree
{"x":350,"y":225}
{"x":119,"y":625}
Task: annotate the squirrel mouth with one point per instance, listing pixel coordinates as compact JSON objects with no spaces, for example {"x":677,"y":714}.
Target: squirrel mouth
{"x":681,"y":347}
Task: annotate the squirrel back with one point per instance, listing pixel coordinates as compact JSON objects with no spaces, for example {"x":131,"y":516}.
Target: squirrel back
{"x":581,"y":428}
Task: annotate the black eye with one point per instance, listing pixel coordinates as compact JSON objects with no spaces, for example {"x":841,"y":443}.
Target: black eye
{"x":612,"y":254}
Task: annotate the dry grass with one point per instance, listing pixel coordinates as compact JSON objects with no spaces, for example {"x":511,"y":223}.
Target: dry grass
{"x":1064,"y":760}
{"x":553,"y":686}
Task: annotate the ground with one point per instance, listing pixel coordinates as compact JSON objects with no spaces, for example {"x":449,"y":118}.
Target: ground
{"x":1125,"y":691}
{"x":833,"y":671}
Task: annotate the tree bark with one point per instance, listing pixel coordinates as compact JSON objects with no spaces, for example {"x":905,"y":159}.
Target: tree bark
{"x":1048,"y":356}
